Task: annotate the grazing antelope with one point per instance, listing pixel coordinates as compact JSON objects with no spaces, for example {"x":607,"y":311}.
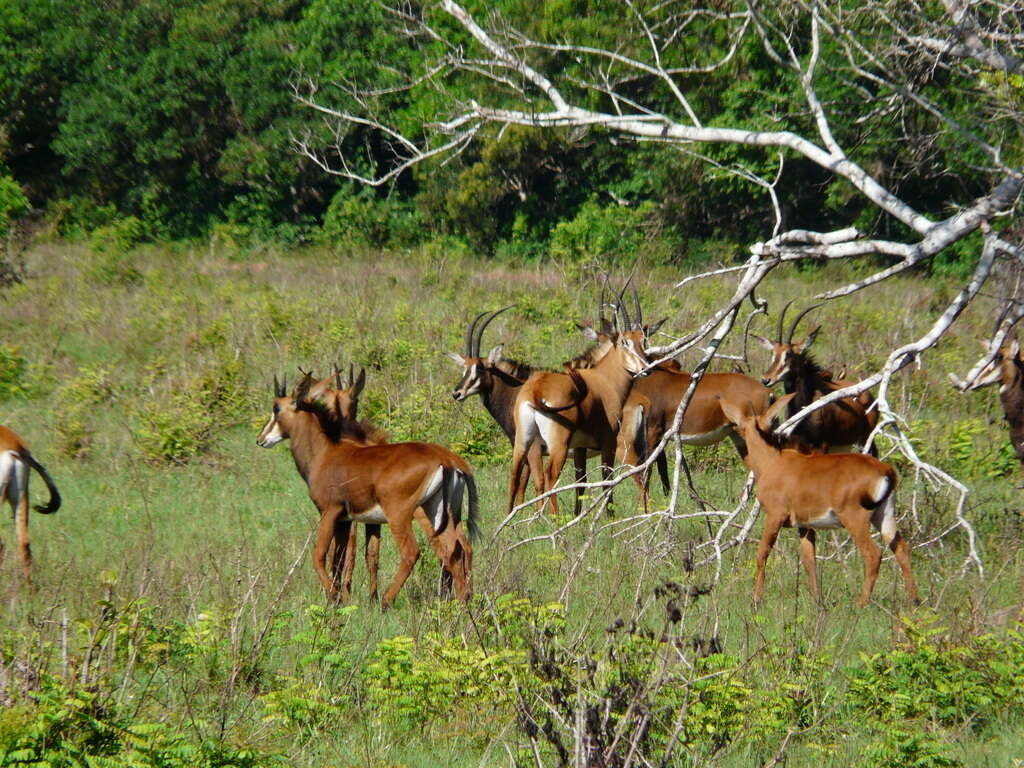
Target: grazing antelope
{"x":576,"y":409}
{"x":816,"y":491}
{"x":1006,"y":369}
{"x":392,"y":483}
{"x":837,"y":426}
{"x":651,"y":408}
{"x":15,"y":463}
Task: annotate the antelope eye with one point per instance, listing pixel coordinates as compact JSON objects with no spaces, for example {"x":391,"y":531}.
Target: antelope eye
{"x":277,"y":409}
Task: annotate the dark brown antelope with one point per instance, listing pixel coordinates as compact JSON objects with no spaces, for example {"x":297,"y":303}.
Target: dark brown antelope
{"x":651,"y":408}
{"x":15,"y":463}
{"x":838,"y":426}
{"x":818,"y":491}
{"x":393,"y":483}
{"x":1007,"y":370}
{"x":577,"y":409}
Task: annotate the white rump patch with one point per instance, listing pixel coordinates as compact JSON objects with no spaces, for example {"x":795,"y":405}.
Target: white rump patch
{"x":881,"y":489}
{"x":13,"y":473}
{"x":432,"y":499}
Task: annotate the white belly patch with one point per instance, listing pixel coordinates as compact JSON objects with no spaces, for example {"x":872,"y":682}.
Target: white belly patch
{"x":369,"y":516}
{"x":827,"y":520}
{"x":707,"y":438}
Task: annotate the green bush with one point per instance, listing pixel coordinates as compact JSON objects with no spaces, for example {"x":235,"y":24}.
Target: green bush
{"x":12,"y":372}
{"x":74,"y":403}
{"x":363,"y":220}
{"x":13,"y":202}
{"x":612,"y":234}
{"x":111,"y":247}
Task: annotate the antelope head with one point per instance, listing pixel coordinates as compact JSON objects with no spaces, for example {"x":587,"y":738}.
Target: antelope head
{"x":747,"y":421}
{"x":476,"y":370}
{"x":630,"y":338}
{"x":345,"y":393}
{"x":278,"y":427}
{"x":785,"y":352}
{"x":1003,"y":367}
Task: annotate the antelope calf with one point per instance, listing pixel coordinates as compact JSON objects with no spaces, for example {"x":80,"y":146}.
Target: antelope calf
{"x":15,"y":463}
{"x":838,"y":426}
{"x":817,"y":491}
{"x":344,"y":399}
{"x":1007,"y":370}
{"x":395,"y":483}
{"x":651,"y":408}
{"x":577,"y":409}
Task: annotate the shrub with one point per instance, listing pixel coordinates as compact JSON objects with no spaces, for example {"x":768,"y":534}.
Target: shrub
{"x":74,"y":403}
{"x":612,"y":233}
{"x":12,"y":372}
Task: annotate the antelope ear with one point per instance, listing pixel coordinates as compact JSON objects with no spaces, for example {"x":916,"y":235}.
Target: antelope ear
{"x":360,"y":382}
{"x":735,"y":415}
{"x":588,"y":332}
{"x":495,"y":354}
{"x":653,"y":329}
{"x":764,"y":342}
{"x":456,"y":357}
{"x":775,"y":408}
{"x":810,"y":339}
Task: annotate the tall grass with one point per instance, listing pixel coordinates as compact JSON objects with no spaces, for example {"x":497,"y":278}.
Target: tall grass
{"x":174,"y":588}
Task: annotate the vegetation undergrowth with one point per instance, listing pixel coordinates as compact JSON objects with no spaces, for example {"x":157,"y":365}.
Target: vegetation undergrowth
{"x":174,"y":619}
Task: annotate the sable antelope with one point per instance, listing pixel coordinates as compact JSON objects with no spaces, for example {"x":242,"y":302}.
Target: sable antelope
{"x":393,"y":483}
{"x":497,"y":381}
{"x":344,"y":399}
{"x":816,"y":491}
{"x":576,"y":409}
{"x":15,"y":463}
{"x":839,"y":425}
{"x":1006,"y":369}
{"x":651,"y":407}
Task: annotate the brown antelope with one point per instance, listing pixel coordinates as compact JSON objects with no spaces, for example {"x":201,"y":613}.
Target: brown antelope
{"x":576,"y":409}
{"x":498,"y":380}
{"x":816,"y":491}
{"x":392,"y":483}
{"x":15,"y":463}
{"x":651,"y":408}
{"x":1006,"y":369}
{"x":344,"y":398}
{"x":837,"y":426}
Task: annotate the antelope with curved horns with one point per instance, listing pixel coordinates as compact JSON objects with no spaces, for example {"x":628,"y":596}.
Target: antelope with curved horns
{"x":498,"y":381}
{"x":842,"y":424}
{"x":817,"y":491}
{"x":651,"y":408}
{"x":15,"y":463}
{"x":577,"y":409}
{"x":393,"y":483}
{"x":1007,"y":369}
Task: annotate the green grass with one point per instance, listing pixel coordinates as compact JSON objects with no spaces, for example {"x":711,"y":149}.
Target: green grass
{"x":179,"y":592}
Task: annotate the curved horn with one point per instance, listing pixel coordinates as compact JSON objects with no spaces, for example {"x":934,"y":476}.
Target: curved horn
{"x":1002,"y":317}
{"x":470,"y":333}
{"x":483,"y":327}
{"x":782,"y":315}
{"x":351,"y":376}
{"x":792,"y":328}
{"x":636,"y":307}
{"x":302,"y":388}
{"x":620,"y":307}
{"x":279,"y":387}
{"x":337,"y":377}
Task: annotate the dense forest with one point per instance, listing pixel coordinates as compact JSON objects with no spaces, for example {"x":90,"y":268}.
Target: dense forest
{"x":180,"y":120}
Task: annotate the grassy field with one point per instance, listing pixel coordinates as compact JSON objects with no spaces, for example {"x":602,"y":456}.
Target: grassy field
{"x":175,"y":619}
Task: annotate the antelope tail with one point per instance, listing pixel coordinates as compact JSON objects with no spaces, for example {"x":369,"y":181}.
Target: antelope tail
{"x":54,"y":503}
{"x":473,"y":518}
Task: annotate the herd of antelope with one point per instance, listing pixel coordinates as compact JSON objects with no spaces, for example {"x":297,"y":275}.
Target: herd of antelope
{"x":611,"y":402}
